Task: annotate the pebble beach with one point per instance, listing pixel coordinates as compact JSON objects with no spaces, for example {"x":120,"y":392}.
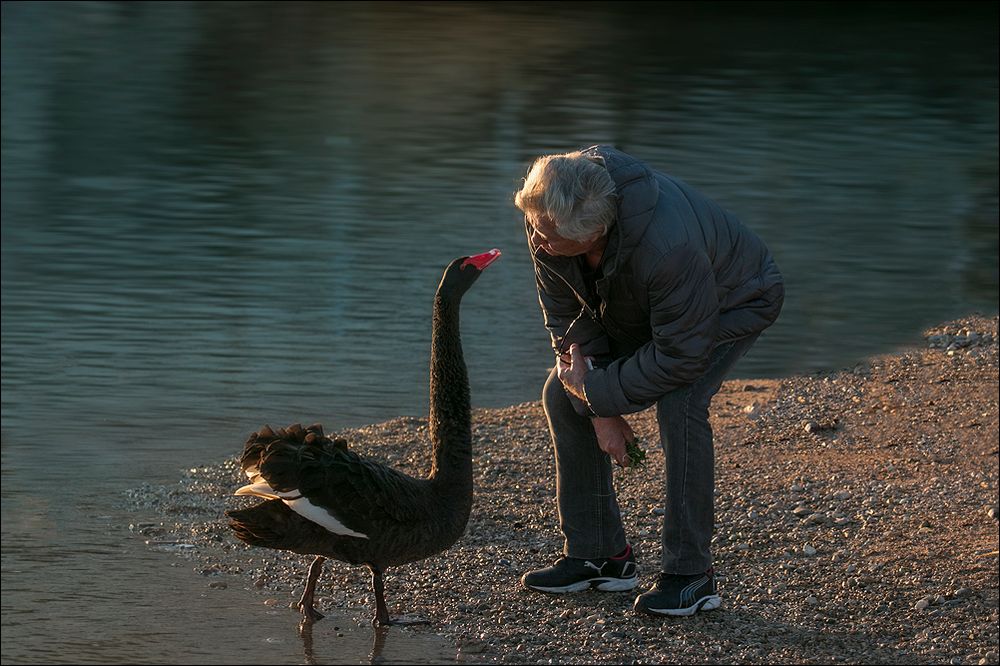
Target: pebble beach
{"x":856,"y":522}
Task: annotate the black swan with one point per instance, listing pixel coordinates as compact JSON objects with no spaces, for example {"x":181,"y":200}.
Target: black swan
{"x":325,"y":500}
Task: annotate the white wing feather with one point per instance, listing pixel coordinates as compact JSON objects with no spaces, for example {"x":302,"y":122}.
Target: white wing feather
{"x":302,"y":506}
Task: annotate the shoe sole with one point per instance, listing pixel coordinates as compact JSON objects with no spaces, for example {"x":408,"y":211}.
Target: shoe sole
{"x":708,"y":603}
{"x":600,"y":584}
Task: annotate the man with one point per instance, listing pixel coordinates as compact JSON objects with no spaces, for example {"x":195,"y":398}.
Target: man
{"x":651,"y":292}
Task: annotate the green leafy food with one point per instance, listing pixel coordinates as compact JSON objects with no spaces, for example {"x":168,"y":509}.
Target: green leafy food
{"x":636,"y":454}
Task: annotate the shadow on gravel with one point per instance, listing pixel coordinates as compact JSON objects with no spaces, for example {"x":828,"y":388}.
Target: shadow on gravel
{"x":785,"y":641}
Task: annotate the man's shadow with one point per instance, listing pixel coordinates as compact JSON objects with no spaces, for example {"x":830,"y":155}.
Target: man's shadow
{"x":812,"y":641}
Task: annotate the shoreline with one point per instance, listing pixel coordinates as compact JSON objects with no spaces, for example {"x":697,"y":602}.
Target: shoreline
{"x":856,"y":521}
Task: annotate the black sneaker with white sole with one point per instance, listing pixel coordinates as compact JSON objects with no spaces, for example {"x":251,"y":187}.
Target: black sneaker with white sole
{"x":571,"y":574}
{"x":680,"y":595}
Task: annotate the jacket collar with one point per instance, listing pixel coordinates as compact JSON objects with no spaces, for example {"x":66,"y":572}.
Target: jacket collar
{"x":637,"y":193}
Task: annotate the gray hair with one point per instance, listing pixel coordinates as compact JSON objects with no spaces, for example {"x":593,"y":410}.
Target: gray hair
{"x":574,"y":191}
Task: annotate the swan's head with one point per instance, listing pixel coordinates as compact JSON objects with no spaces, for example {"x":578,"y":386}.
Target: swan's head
{"x":463,"y":272}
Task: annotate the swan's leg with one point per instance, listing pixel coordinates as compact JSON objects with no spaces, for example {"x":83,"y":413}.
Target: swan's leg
{"x":310,"y":614}
{"x":382,"y":618}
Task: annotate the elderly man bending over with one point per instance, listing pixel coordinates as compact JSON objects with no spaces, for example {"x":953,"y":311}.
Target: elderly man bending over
{"x":651,"y":292}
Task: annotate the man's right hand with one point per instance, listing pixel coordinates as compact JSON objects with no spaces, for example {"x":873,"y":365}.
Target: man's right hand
{"x":613,"y":433}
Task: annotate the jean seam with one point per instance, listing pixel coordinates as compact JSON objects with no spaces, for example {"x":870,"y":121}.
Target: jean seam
{"x":599,"y":505}
{"x":687,"y":439}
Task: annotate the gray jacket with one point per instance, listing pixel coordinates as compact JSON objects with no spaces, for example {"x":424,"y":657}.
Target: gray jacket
{"x":679,"y":277}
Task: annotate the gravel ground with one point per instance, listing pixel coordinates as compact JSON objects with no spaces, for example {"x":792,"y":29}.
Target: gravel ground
{"x":856,"y":523}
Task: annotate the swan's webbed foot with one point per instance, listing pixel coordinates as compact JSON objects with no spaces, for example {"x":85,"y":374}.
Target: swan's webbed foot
{"x":305,"y":605}
{"x":309,"y":614}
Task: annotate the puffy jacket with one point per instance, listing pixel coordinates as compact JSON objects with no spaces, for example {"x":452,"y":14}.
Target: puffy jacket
{"x":679,"y":277}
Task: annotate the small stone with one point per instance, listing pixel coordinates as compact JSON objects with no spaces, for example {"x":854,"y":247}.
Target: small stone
{"x":802,"y":511}
{"x":218,"y":585}
{"x":808,"y":550}
{"x":811,"y":426}
{"x":816,"y":518}
{"x":659,"y":511}
{"x":922,"y":604}
{"x":992,"y":513}
{"x":796,"y":488}
{"x":963,"y":592}
{"x":811,"y":600}
{"x":271,"y":602}
{"x":742,"y":546}
{"x":473,"y":647}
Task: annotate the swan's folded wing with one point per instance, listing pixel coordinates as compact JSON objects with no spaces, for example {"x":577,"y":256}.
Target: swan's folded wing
{"x":390,"y":493}
{"x":362,"y":494}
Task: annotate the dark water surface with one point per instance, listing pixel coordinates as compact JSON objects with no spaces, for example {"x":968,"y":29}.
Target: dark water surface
{"x":223,"y":214}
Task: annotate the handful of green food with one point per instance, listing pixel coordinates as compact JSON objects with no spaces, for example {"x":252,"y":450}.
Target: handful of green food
{"x":636,"y":454}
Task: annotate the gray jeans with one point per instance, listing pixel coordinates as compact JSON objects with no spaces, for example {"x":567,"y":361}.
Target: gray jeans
{"x":588,"y":508}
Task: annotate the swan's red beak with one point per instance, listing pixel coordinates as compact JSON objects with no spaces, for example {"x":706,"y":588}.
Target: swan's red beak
{"x":481,"y":261}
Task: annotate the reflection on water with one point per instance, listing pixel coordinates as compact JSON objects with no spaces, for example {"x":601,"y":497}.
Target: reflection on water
{"x":118,"y":602}
{"x":218,"y":215}
{"x":380,"y":637}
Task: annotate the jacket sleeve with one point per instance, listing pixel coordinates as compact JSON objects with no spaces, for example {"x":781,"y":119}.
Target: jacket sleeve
{"x":565,"y":317}
{"x":684,"y":318}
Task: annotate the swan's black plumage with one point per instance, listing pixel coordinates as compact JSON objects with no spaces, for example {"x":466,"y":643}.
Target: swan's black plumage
{"x":374,"y":514}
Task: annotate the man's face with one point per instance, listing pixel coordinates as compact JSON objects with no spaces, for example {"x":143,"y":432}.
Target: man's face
{"x":543,"y":234}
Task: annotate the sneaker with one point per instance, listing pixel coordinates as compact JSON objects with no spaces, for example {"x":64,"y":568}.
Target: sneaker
{"x":571,"y":574}
{"x":680,"y":595}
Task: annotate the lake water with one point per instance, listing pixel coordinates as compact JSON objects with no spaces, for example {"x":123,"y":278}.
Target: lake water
{"x":220,"y":215}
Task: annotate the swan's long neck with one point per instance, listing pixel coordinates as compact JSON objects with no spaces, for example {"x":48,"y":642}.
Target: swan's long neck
{"x":450,"y":412}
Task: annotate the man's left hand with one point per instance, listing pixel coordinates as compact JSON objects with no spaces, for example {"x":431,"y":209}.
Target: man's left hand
{"x":572,"y":371}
